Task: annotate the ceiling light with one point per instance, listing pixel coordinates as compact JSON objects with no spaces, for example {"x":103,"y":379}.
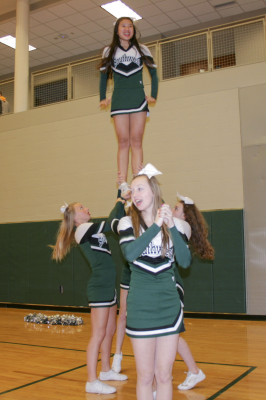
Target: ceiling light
{"x":119,"y":9}
{"x":11,"y":42}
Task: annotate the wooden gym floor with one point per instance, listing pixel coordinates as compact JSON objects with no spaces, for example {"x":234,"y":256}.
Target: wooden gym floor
{"x":49,"y":362}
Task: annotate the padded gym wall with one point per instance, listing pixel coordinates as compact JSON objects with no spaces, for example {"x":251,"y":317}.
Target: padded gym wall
{"x":29,"y":276}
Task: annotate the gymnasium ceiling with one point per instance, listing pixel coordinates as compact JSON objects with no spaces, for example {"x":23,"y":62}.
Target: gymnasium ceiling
{"x":66,"y":30}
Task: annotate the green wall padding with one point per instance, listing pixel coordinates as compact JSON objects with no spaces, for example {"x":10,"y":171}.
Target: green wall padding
{"x":228,"y":271}
{"x":28,"y":275}
{"x":198,"y":281}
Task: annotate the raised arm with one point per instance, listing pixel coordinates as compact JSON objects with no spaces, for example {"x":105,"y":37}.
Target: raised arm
{"x":181,"y":249}
{"x":115,"y":215}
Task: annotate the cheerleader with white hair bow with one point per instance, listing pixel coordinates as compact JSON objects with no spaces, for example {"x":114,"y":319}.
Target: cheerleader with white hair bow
{"x":187,"y":212}
{"x":151,"y":243}
{"x":77,"y":227}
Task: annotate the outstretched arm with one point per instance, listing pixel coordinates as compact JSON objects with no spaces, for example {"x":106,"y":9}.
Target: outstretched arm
{"x":115,"y":215}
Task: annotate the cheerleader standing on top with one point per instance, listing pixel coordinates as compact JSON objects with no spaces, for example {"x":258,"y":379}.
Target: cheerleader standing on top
{"x":124,"y":60}
{"x":101,"y":292}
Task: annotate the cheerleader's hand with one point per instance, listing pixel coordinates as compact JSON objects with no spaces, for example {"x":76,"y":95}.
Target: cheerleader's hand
{"x":119,"y":199}
{"x":127,"y":195}
{"x":167,"y":215}
{"x":105,"y":103}
{"x":150,"y":99}
{"x":158,"y":219}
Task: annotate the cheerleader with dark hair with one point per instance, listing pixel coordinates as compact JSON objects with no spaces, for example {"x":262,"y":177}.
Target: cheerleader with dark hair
{"x":124,"y":60}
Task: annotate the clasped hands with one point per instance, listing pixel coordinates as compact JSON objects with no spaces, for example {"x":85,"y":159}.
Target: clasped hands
{"x":164,"y":215}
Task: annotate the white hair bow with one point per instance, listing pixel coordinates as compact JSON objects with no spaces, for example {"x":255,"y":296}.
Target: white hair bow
{"x":149,"y":170}
{"x":186,"y":200}
{"x":63,"y":207}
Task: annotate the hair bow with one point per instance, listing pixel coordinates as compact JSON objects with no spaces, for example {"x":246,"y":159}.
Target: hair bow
{"x":63,"y":208}
{"x":186,"y":200}
{"x":149,"y":170}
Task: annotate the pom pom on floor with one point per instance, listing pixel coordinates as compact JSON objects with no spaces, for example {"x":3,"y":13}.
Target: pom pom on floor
{"x":39,"y":318}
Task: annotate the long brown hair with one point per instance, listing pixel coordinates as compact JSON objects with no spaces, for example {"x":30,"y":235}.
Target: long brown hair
{"x":199,"y":232}
{"x":137,"y":219}
{"x":107,"y":61}
{"x":65,"y":234}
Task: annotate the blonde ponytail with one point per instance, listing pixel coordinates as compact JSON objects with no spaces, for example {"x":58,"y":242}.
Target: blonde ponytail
{"x":65,"y":235}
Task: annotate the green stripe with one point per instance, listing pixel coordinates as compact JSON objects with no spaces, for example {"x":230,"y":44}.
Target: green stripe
{"x":43,"y":379}
{"x":37,"y":345}
{"x":231,"y":384}
{"x":224,"y":365}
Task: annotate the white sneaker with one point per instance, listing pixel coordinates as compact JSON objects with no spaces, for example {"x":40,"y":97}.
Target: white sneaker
{"x":112,"y":376}
{"x":99,"y":387}
{"x":116,"y":365}
{"x":125,"y":188}
{"x":191,"y":380}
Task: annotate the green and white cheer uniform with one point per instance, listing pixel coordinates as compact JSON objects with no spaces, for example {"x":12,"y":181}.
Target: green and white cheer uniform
{"x":153,"y":304}
{"x":94,"y":245}
{"x":128,"y":95}
{"x":184,"y":228}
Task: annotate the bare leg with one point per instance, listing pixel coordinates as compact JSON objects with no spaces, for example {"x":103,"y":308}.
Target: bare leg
{"x":107,"y":342}
{"x":122,"y":125}
{"x":122,"y":319}
{"x":99,"y":319}
{"x":185,"y":353}
{"x":137,"y":126}
{"x":144,"y":352}
{"x":164,"y":360}
{"x":194,"y":375}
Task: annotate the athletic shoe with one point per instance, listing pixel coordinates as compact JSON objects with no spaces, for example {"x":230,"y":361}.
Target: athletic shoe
{"x":191,"y":380}
{"x":124,"y":187}
{"x":112,"y":376}
{"x":116,"y":365}
{"x":99,"y":387}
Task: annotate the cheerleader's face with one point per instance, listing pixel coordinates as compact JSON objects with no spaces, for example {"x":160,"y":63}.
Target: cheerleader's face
{"x":141,"y":194}
{"x":178,"y":211}
{"x":125,"y":30}
{"x":82,"y":214}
